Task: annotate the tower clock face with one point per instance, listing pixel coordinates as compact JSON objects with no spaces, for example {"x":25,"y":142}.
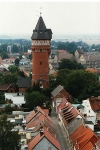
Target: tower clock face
{"x":40,"y":42}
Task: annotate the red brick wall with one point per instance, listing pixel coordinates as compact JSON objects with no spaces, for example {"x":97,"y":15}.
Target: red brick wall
{"x":40,"y":68}
{"x":65,"y":94}
{"x":22,"y":90}
{"x":11,"y":90}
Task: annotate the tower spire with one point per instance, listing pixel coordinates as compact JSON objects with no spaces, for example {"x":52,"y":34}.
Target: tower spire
{"x":40,"y":11}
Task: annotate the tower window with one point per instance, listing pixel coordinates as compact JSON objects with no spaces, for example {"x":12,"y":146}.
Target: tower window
{"x":40,"y":63}
{"x":40,"y":50}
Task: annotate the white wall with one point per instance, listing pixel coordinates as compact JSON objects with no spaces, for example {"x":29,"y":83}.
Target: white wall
{"x":17,"y":100}
{"x":93,"y":119}
{"x":87,"y":108}
{"x":58,"y":101}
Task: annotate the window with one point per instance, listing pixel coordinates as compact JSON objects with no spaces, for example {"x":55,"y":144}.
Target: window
{"x":49,"y":148}
{"x":40,"y":63}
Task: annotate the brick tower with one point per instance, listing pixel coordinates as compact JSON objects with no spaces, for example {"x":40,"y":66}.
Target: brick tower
{"x":41,"y":48}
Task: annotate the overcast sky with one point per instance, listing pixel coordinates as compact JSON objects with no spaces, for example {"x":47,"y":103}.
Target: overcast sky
{"x":62,"y":17}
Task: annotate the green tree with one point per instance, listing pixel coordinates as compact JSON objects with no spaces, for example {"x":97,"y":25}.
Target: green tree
{"x":3,"y":47}
{"x":17,"y":61}
{"x":4,"y":55}
{"x":34,"y":99}
{"x":69,"y":64}
{"x":10,"y":78}
{"x":47,"y":92}
{"x":71,"y":47}
{"x":15,"y":48}
{"x":2,"y":98}
{"x":8,"y":108}
{"x":9,"y":140}
{"x":78,"y":82}
{"x":13,"y":68}
{"x":21,"y":73}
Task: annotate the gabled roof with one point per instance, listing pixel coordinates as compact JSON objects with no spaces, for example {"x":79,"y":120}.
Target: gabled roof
{"x":46,"y":111}
{"x":95,"y":103}
{"x":57,"y":90}
{"x":46,"y":135}
{"x":4,"y":87}
{"x":24,"y":82}
{"x":67,"y":111}
{"x":30,"y":116}
{"x":63,"y":103}
{"x":65,"y":56}
{"x":35,"y":117}
{"x":41,"y":32}
{"x":80,"y":51}
{"x":74,"y":125}
{"x":82,"y":138}
{"x":45,"y":124}
{"x":91,"y":56}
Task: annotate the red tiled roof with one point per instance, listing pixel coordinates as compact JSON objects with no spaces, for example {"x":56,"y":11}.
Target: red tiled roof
{"x":38,"y":138}
{"x":37,"y":120}
{"x":34,"y":118}
{"x":79,"y":131}
{"x":92,"y":70}
{"x":62,"y":51}
{"x":88,"y":146}
{"x":95,"y":103}
{"x":46,"y":111}
{"x":33,"y":114}
{"x":30,"y":116}
{"x":43,"y":112}
{"x":83,"y":136}
{"x":67,"y":111}
{"x":11,"y":58}
{"x":63,"y":103}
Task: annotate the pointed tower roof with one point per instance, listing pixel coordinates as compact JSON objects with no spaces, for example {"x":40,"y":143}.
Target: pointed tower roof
{"x":40,"y":25}
{"x":41,"y":32}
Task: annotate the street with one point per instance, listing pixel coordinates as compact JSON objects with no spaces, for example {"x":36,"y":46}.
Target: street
{"x":59,"y":132}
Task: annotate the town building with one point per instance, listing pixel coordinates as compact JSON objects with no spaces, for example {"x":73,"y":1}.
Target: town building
{"x":41,"y":42}
{"x":23,"y":83}
{"x":8,"y":88}
{"x":57,"y":94}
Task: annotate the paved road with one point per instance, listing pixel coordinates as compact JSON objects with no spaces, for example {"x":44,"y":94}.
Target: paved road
{"x":59,"y":132}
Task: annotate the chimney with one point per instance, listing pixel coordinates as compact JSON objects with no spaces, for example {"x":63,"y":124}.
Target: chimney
{"x":35,"y":109}
{"x":41,"y":131}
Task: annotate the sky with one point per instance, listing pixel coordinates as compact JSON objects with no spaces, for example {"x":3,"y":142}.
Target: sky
{"x":62,"y":17}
